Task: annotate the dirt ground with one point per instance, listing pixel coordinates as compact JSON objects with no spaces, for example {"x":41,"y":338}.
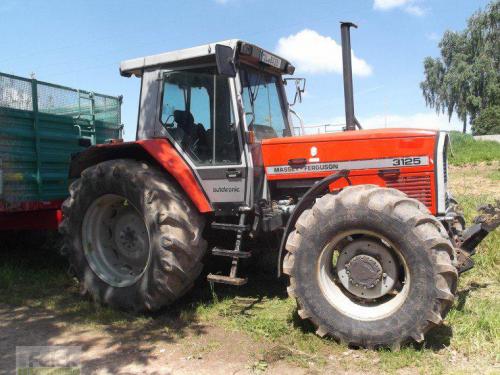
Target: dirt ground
{"x":196,"y":348}
{"x":185,"y":344}
{"x":125,"y":351}
{"x":478,"y":179}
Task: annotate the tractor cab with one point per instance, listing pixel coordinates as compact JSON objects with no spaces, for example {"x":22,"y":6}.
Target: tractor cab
{"x":215,"y":104}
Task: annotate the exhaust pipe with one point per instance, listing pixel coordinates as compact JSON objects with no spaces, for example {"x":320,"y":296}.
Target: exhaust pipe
{"x":350,"y":118}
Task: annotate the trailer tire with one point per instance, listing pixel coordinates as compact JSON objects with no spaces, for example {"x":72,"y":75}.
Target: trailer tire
{"x":399,"y":229}
{"x":132,"y":237}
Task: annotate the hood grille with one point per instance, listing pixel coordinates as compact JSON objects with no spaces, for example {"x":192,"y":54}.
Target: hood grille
{"x":417,"y":187}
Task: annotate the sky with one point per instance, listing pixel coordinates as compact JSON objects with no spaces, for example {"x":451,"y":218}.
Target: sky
{"x":80,"y":43}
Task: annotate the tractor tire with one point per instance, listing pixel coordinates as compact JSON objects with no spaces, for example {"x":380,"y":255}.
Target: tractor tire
{"x":132,"y":237}
{"x":350,"y":298}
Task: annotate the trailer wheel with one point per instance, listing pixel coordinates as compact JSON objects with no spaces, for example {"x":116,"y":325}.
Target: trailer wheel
{"x":371,"y":267}
{"x":132,"y":237}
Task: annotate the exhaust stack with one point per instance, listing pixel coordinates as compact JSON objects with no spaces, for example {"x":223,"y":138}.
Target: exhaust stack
{"x":350,"y":118}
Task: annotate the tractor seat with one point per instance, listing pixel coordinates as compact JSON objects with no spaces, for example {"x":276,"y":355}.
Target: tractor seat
{"x":192,"y":134}
{"x":185,"y":121}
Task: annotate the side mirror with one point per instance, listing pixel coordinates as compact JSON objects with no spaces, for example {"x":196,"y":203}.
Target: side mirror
{"x":300,"y":87}
{"x":224,"y":56}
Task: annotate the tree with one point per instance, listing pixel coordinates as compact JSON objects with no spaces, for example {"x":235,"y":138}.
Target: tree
{"x":466,"y":78}
{"x":488,"y":121}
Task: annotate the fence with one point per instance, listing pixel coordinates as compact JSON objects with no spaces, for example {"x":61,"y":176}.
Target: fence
{"x":318,"y":129}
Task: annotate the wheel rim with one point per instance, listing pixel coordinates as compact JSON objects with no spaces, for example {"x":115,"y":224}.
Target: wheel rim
{"x":115,"y":240}
{"x":363,"y":275}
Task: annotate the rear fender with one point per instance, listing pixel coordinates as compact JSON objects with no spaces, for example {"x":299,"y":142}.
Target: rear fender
{"x":155,"y":151}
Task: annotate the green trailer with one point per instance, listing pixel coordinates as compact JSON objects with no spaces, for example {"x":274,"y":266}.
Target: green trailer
{"x":41,"y":126}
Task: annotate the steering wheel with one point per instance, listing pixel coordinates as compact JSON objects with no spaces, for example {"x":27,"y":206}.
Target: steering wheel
{"x":229,"y":141}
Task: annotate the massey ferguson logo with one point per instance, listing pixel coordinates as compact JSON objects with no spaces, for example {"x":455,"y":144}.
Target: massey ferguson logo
{"x":225,"y":189}
{"x":307,"y":168}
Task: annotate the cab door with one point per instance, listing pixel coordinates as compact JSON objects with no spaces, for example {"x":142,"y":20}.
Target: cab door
{"x":197,"y":113}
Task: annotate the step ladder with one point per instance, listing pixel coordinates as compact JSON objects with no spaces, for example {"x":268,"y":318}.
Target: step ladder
{"x":236,"y":254}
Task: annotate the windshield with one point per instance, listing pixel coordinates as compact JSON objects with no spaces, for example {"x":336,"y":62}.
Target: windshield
{"x":264,"y":108}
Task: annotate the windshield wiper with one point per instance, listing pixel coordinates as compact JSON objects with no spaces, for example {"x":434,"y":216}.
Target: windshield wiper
{"x":252,"y":95}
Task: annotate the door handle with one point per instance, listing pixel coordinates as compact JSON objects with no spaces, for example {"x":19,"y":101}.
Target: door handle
{"x":233,"y":173}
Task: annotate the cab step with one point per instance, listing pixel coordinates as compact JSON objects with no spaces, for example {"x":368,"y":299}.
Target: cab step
{"x":235,"y":254}
{"x":231,"y":253}
{"x":220,"y":279}
{"x":233,"y":227}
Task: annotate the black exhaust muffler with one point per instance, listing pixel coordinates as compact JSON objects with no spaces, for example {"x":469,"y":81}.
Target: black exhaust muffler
{"x":350,"y":118}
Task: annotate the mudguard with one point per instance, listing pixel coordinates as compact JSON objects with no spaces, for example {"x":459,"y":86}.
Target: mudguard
{"x":158,"y":151}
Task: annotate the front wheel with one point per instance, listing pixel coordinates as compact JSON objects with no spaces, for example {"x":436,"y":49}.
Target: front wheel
{"x":370,"y":267}
{"x":133,"y":238}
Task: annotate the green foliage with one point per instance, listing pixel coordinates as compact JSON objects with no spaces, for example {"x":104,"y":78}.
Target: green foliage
{"x":466,"y":78}
{"x":466,"y":150}
{"x":488,"y":121}
{"x":475,"y":318}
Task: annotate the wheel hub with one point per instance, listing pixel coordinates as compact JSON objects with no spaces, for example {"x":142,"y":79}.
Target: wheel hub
{"x":367,"y":268}
{"x":115,"y":240}
{"x":128,"y":237}
{"x":364,"y":270}
{"x":130,"y":234}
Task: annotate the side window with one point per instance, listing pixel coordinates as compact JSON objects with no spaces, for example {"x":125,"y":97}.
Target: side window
{"x":197,"y":114}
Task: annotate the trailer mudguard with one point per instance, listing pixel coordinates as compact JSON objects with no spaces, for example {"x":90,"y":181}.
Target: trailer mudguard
{"x":158,"y":151}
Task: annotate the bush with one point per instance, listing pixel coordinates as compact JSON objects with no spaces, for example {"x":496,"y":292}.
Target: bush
{"x":488,"y":121}
{"x":465,"y":149}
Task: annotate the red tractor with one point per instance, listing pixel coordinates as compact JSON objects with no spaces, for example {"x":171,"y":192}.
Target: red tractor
{"x":371,"y":240}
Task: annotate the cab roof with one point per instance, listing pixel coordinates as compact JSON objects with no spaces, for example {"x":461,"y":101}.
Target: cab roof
{"x":195,"y":55}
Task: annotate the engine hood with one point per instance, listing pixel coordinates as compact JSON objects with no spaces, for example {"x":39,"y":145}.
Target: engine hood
{"x":362,"y":152}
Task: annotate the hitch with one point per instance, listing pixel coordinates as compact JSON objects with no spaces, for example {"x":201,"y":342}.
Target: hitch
{"x":486,"y":222}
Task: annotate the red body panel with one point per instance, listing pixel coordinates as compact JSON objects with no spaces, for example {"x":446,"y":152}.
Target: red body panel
{"x":368,"y":151}
{"x":29,"y":206}
{"x":47,"y":219}
{"x":30,"y":215}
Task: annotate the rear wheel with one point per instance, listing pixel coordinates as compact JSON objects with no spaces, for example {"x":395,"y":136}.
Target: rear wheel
{"x":371,"y":267}
{"x":132,"y":238}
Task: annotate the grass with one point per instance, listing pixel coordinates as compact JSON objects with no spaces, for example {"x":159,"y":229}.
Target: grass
{"x":469,"y":342}
{"x":466,"y":150}
{"x":495,"y":175}
{"x":476,"y":316}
